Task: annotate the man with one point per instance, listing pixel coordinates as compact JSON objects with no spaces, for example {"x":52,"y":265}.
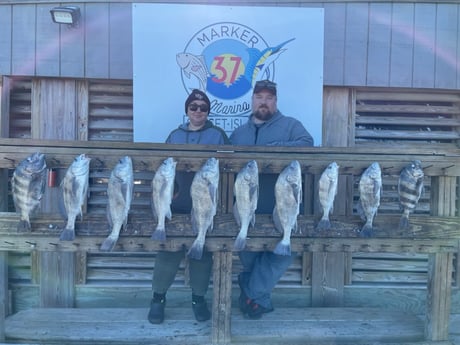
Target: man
{"x":266,"y":126}
{"x":198,"y":130}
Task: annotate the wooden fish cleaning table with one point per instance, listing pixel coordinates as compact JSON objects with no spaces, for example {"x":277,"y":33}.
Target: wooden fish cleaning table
{"x":436,"y":235}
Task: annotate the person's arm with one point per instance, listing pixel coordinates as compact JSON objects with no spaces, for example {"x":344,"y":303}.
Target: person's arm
{"x":298,"y":136}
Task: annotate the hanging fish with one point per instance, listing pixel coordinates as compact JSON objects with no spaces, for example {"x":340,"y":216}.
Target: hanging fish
{"x":162,"y":194}
{"x":74,"y":188}
{"x":120,"y":194}
{"x":410,"y":187}
{"x":288,"y":196}
{"x":370,"y":186}
{"x":204,"y":204}
{"x":246,"y":190}
{"x":28,"y":187}
{"x":327,"y":192}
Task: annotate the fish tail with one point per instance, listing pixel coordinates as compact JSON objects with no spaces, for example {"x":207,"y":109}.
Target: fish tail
{"x":324,"y":224}
{"x":282,"y":249}
{"x":195,"y":251}
{"x":108,"y":244}
{"x":159,"y":235}
{"x":67,"y":235}
{"x":404,"y":222}
{"x":240,"y":243}
{"x":366,"y":231}
{"x":24,"y":226}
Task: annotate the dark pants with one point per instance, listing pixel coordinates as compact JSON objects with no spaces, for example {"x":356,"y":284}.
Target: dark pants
{"x":167,"y":265}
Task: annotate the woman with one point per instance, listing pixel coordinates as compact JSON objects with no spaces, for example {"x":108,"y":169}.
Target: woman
{"x":198,"y":130}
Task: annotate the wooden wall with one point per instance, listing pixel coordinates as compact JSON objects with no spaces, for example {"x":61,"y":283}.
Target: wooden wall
{"x":367,"y":43}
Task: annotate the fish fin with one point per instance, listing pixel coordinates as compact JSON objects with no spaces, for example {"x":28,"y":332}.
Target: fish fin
{"x":297,"y":192}
{"x":195,"y":251}
{"x":324,"y":224}
{"x":276,"y":221}
{"x":159,"y":235}
{"x":253,"y":192}
{"x":24,"y":226}
{"x":253,"y":220}
{"x":366,"y":231}
{"x":282,"y":249}
{"x":236,"y":214}
{"x":108,"y":245}
{"x":404,"y":223}
{"x":240,"y":243}
{"x":169,"y":213}
{"x":67,"y":235}
{"x":194,"y":224}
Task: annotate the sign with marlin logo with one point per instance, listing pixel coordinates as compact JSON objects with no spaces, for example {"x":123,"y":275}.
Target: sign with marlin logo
{"x":223,"y":51}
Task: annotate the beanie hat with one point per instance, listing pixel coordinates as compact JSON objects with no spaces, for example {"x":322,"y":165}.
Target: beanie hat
{"x":197,"y":95}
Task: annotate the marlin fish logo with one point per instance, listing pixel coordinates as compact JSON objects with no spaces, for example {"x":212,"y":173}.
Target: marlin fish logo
{"x":259,"y":61}
{"x":194,"y":65}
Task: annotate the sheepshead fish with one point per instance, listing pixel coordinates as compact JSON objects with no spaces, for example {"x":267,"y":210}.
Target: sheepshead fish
{"x":370,"y":186}
{"x":74,"y":192}
{"x":162,"y":194}
{"x":28,"y":186}
{"x":288,"y":196}
{"x":327,"y":192}
{"x":204,"y":204}
{"x":194,"y":65}
{"x":410,"y":187}
{"x":246,"y":190}
{"x":120,"y":194}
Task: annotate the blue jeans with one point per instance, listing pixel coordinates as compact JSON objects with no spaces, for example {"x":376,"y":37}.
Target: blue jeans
{"x":261,"y":272}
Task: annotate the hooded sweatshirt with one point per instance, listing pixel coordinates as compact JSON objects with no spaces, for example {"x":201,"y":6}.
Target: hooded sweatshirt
{"x":209,"y":134}
{"x":280,"y":130}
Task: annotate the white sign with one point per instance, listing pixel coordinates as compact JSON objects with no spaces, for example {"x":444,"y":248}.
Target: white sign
{"x":224,"y":50}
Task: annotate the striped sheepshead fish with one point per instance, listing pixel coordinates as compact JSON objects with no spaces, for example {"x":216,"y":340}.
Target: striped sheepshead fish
{"x":410,"y":187}
{"x":28,"y":187}
{"x":370,"y":187}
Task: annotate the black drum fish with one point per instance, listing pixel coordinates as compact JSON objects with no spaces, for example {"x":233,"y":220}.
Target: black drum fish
{"x":74,"y":193}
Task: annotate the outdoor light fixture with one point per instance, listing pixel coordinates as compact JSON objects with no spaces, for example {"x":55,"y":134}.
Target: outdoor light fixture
{"x":66,"y":15}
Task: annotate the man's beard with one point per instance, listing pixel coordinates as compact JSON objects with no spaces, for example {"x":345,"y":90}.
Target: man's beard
{"x":263,"y":116}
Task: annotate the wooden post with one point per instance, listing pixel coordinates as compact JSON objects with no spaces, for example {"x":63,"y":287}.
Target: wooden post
{"x":438,"y":296}
{"x":440,"y":265}
{"x":327,"y":279}
{"x":3,"y":292}
{"x":57,"y":279}
{"x":222,"y":303}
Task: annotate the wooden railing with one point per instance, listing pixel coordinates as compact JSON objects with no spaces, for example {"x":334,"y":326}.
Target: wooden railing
{"x":437,"y":234}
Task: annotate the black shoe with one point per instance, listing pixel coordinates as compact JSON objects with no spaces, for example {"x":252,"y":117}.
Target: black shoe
{"x":157,"y":311}
{"x":244,"y":302}
{"x":255,"y":311}
{"x":201,"y":311}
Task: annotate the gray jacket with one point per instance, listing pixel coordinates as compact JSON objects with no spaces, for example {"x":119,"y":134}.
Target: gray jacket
{"x":280,"y":130}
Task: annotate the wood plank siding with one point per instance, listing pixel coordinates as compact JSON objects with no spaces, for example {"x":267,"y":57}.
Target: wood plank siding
{"x":366,"y":43}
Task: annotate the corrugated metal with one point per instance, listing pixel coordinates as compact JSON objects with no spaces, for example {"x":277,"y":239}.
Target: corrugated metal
{"x":375,"y":43}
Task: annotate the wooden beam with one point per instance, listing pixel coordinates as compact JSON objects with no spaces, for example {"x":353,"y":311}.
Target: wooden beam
{"x":222,"y":302}
{"x":328,"y":276}
{"x":3,"y":292}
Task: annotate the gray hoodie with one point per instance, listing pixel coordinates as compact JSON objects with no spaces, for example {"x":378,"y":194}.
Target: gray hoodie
{"x":280,"y":130}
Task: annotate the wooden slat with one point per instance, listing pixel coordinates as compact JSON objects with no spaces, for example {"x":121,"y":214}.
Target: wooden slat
{"x":399,"y":134}
{"x":57,"y":279}
{"x":222,"y":304}
{"x":3,"y":292}
{"x":328,"y":279}
{"x":306,"y":326}
{"x":406,"y":109}
{"x":406,"y":120}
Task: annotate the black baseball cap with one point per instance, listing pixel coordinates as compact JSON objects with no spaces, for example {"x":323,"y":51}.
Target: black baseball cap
{"x":265,"y":85}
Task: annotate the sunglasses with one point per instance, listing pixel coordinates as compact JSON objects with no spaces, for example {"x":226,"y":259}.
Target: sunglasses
{"x":194,"y":107}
